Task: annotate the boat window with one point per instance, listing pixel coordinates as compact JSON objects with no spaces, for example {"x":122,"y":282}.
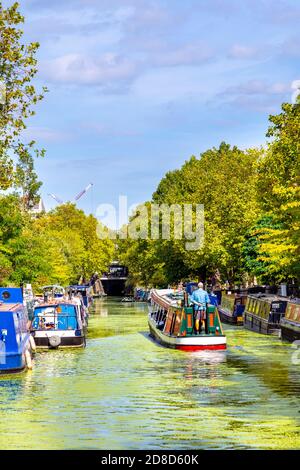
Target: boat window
{"x":5,"y":295}
{"x":257,"y":307}
{"x":57,"y":317}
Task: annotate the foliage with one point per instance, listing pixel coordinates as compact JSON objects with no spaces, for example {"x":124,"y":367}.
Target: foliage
{"x":252,"y":211}
{"x":18,"y":67}
{"x":223,"y":180}
{"x":58,"y":247}
{"x":279,"y":194}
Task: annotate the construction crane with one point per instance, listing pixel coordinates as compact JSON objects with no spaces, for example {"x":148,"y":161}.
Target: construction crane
{"x":79,"y":196}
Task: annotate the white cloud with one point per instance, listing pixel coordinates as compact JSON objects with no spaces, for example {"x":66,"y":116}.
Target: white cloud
{"x":258,"y":87}
{"x":189,"y":54}
{"x":46,"y":134}
{"x":79,"y":69}
{"x":241,"y":52}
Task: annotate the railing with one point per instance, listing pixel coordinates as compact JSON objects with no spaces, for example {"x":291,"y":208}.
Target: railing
{"x":54,"y":322}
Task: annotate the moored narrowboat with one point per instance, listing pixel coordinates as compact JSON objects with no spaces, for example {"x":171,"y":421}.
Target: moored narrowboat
{"x":53,"y":291}
{"x":263,"y":313}
{"x":232,"y":308}
{"x":28,"y":300}
{"x":290,"y":323}
{"x":16,"y":344}
{"x":85,"y":291}
{"x":59,"y":323}
{"x":172,"y":323}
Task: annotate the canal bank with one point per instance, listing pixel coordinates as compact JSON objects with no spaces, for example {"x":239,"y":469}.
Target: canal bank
{"x":126,"y":392}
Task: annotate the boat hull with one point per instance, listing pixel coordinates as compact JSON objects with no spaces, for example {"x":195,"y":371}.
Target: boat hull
{"x":43,"y":341}
{"x":225,"y":317}
{"x":290,"y":332}
{"x":14,"y":363}
{"x":187,"y":343}
{"x":260,"y":325}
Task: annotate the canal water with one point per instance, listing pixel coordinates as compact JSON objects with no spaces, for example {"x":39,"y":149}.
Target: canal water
{"x":126,"y":392}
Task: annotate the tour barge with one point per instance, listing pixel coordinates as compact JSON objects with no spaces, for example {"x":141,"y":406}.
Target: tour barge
{"x":263,"y":313}
{"x":232,"y":308}
{"x":290,"y":324}
{"x":59,"y":323}
{"x":16,"y":343}
{"x":172,"y":324}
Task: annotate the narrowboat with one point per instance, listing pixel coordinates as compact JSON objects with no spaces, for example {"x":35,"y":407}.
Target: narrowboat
{"x":232,"y":308}
{"x":59,"y":323}
{"x":28,"y":300}
{"x":53,"y":291}
{"x":16,"y":343}
{"x":85,"y":291}
{"x":290,"y":323}
{"x":171,"y":323}
{"x":263,"y":313}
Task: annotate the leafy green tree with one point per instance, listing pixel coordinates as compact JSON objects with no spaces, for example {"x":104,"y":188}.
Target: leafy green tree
{"x":75,"y":238}
{"x":223,"y":180}
{"x":251,"y":251}
{"x":278,"y":189}
{"x":18,"y":67}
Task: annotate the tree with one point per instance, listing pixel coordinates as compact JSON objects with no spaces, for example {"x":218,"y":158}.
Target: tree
{"x":223,"y":180}
{"x":278,"y":187}
{"x":18,"y":67}
{"x":75,"y":238}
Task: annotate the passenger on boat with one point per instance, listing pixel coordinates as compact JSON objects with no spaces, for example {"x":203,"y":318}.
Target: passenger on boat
{"x":199,"y":299}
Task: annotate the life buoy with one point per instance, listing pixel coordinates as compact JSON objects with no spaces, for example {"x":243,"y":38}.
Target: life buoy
{"x":54,"y":341}
{"x":32,"y":343}
{"x":28,"y":359}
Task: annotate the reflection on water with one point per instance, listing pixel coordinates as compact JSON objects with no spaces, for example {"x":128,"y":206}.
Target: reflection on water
{"x":126,"y":392}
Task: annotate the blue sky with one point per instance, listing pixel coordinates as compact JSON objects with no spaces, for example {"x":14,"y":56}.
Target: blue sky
{"x":138,"y":86}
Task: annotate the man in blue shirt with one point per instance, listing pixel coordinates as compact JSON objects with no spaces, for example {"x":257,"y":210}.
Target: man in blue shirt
{"x":199,"y":299}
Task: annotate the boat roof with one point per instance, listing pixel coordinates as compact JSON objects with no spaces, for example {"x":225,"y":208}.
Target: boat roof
{"x":164,"y":297}
{"x":78,"y":287}
{"x":54,"y":302}
{"x":54,"y":287}
{"x":9,"y":307}
{"x":268,"y":297}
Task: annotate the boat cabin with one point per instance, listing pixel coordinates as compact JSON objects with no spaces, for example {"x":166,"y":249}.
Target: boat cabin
{"x":290,"y":323}
{"x":85,"y":291}
{"x":232,"y":308}
{"x":59,"y":324}
{"x":53,"y":292}
{"x":263,"y":313}
{"x":15,"y":343}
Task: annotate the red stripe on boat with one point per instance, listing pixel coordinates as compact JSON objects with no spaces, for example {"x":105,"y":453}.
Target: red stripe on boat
{"x":213,"y":347}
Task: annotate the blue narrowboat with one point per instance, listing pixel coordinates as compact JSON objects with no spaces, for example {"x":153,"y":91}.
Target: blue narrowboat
{"x":16,"y":343}
{"x":59,"y":323}
{"x":85,"y":291}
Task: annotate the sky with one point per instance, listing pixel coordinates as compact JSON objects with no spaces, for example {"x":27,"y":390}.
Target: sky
{"x":138,"y":86}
